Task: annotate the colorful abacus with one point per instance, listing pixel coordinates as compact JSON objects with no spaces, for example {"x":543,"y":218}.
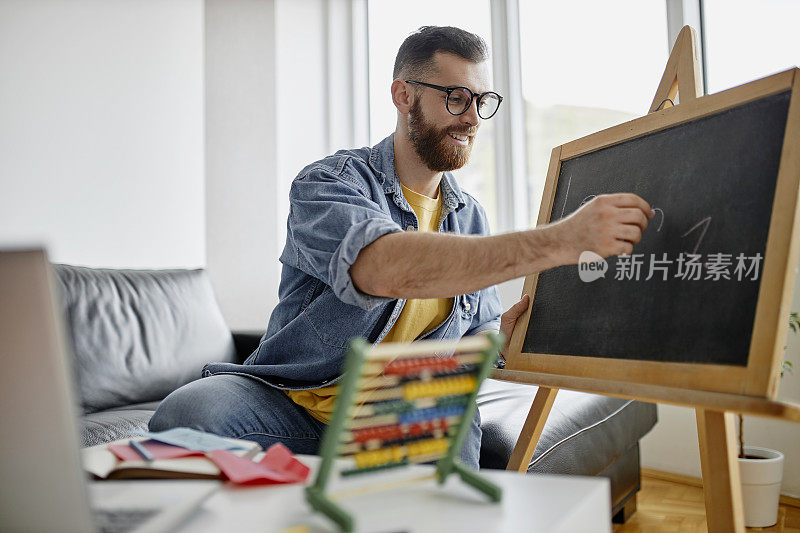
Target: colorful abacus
{"x":400,"y":404}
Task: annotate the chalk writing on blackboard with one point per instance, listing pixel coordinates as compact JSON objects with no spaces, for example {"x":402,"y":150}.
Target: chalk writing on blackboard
{"x":661,"y":220}
{"x":705,"y":223}
{"x":566,"y":195}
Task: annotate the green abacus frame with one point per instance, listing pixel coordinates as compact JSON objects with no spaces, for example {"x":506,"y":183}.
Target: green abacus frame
{"x":344,"y":405}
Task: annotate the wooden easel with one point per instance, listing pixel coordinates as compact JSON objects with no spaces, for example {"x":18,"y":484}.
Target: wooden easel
{"x":714,"y":410}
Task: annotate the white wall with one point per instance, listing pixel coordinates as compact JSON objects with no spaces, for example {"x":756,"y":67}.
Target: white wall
{"x":101,"y":136}
{"x":245,"y":223}
{"x":104,"y":153}
{"x":301,"y":107}
{"x":273,"y":106}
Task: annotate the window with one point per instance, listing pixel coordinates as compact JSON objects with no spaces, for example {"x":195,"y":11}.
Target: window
{"x":747,"y":40}
{"x":586,"y":66}
{"x":388,"y":28}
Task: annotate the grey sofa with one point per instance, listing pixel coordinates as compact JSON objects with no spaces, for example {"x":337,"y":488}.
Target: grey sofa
{"x":137,"y":335}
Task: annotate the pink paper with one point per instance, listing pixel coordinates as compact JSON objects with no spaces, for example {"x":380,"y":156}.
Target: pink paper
{"x":275,"y":467}
{"x":159,"y":450}
{"x":279,"y":457}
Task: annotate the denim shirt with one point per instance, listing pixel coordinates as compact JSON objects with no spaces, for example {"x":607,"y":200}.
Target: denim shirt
{"x":338,"y":206}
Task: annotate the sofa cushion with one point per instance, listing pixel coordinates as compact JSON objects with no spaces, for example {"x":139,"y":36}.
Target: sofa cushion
{"x":115,"y":424}
{"x":583,"y":435}
{"x":137,"y":335}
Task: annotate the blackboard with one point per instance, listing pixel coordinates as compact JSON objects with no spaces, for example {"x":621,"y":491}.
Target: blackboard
{"x":712,"y":182}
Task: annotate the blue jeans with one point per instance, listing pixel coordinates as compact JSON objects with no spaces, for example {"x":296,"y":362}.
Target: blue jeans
{"x":243,"y":407}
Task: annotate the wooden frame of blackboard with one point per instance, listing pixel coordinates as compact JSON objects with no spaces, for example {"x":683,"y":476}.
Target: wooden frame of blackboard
{"x":761,"y":375}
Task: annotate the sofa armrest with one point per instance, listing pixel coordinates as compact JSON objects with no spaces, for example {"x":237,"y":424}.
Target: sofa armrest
{"x":245,"y":343}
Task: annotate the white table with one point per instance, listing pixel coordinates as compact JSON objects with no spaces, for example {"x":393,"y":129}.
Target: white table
{"x":531,"y":503}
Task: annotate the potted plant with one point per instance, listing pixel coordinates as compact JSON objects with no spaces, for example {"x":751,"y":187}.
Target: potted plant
{"x":761,"y":469}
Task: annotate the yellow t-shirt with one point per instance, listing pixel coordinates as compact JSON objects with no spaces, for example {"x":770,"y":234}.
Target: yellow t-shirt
{"x":417,"y":318}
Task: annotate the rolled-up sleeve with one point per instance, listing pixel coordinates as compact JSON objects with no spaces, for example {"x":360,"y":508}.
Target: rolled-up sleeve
{"x":331,"y":219}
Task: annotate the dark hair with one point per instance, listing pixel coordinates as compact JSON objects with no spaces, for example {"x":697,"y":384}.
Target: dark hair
{"x":416,"y":53}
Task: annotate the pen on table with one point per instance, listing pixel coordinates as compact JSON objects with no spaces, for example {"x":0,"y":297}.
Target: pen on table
{"x":141,"y":450}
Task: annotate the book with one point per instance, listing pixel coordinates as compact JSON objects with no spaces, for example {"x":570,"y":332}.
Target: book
{"x":101,"y":463}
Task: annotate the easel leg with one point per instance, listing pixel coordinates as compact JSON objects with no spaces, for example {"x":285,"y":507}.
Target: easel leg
{"x":532,"y":430}
{"x":718,"y":458}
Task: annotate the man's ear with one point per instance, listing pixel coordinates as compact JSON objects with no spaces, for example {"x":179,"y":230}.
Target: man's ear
{"x":401,"y":96}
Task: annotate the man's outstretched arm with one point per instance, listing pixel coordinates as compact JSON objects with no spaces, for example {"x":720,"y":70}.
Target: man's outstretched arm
{"x":436,"y":265}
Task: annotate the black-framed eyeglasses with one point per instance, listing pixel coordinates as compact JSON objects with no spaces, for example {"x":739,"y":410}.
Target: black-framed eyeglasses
{"x":460,"y":98}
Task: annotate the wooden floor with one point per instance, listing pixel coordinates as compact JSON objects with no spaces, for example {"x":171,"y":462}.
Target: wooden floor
{"x":675,"y":505}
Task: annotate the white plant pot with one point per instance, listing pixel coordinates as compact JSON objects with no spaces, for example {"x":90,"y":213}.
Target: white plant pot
{"x":761,"y":486}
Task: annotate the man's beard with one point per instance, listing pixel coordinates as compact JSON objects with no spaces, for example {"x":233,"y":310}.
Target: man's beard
{"x":438,"y":154}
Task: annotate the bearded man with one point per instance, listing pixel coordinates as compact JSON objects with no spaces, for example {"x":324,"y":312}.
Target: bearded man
{"x":383,"y":243}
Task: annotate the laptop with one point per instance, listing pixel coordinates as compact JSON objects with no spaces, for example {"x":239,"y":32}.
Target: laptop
{"x":42,"y":483}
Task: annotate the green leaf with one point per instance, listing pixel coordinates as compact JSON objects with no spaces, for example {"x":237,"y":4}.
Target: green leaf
{"x":794,"y":321}
{"x":787,"y":366}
